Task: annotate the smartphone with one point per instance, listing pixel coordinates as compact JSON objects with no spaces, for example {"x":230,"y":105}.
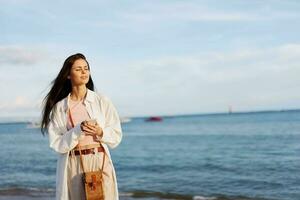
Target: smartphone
{"x":92,"y":122}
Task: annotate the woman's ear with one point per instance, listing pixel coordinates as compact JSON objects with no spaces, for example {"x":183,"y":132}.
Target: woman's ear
{"x":68,"y":77}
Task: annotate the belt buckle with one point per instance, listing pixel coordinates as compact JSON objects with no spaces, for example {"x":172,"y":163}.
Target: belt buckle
{"x":89,"y":151}
{"x":85,"y":151}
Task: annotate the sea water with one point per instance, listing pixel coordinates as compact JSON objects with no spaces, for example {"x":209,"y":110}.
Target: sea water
{"x":201,"y":157}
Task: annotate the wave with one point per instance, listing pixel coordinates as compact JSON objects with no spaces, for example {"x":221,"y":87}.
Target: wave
{"x":174,"y":196}
{"x":136,"y":194}
{"x":29,"y":191}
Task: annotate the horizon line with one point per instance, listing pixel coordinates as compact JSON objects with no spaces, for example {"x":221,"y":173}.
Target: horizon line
{"x":20,"y":120}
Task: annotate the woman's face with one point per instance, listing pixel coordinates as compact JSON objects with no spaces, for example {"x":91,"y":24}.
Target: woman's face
{"x":79,"y":73}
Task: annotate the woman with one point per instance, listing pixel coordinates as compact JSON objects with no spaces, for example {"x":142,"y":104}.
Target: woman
{"x":68,"y":110}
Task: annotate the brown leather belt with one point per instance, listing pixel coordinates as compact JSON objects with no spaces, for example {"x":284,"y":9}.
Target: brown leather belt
{"x":87,"y":151}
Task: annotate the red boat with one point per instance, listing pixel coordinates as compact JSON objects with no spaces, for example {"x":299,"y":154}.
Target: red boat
{"x":154,"y":119}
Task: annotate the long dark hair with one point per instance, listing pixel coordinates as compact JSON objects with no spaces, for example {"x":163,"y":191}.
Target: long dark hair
{"x":61,"y":87}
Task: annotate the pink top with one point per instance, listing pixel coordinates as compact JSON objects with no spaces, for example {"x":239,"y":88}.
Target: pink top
{"x":79,"y":114}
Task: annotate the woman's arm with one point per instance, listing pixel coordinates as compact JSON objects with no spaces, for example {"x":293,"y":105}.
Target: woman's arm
{"x":63,"y":142}
{"x":112,"y":131}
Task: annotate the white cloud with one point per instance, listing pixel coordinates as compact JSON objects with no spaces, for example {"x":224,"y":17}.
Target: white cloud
{"x":20,"y":55}
{"x":191,"y":14}
{"x":19,"y":102}
{"x":222,"y":66}
{"x":156,"y":14}
{"x":247,"y":79}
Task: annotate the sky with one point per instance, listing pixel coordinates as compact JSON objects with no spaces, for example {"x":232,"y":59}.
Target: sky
{"x":155,"y":57}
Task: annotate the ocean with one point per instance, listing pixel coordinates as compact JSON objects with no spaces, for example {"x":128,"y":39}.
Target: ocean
{"x":237,"y":156}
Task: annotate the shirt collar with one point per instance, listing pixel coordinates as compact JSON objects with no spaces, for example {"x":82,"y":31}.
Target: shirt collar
{"x":88,"y":98}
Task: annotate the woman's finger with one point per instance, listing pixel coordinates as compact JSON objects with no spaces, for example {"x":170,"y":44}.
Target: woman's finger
{"x":87,"y":129}
{"x":89,"y":134}
{"x":97,"y":130}
{"x":91,"y":127}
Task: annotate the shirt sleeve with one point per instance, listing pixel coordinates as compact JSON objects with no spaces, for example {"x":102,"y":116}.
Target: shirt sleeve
{"x":59,"y":141}
{"x":112,"y":131}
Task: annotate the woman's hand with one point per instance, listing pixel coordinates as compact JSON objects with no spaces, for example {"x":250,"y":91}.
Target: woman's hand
{"x":91,"y":129}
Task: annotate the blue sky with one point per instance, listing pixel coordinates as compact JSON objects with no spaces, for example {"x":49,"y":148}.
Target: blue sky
{"x":155,"y":57}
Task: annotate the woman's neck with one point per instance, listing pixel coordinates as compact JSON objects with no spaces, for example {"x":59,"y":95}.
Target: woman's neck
{"x":78,"y":93}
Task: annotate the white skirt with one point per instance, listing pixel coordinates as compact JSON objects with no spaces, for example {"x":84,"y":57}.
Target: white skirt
{"x":92,"y":162}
